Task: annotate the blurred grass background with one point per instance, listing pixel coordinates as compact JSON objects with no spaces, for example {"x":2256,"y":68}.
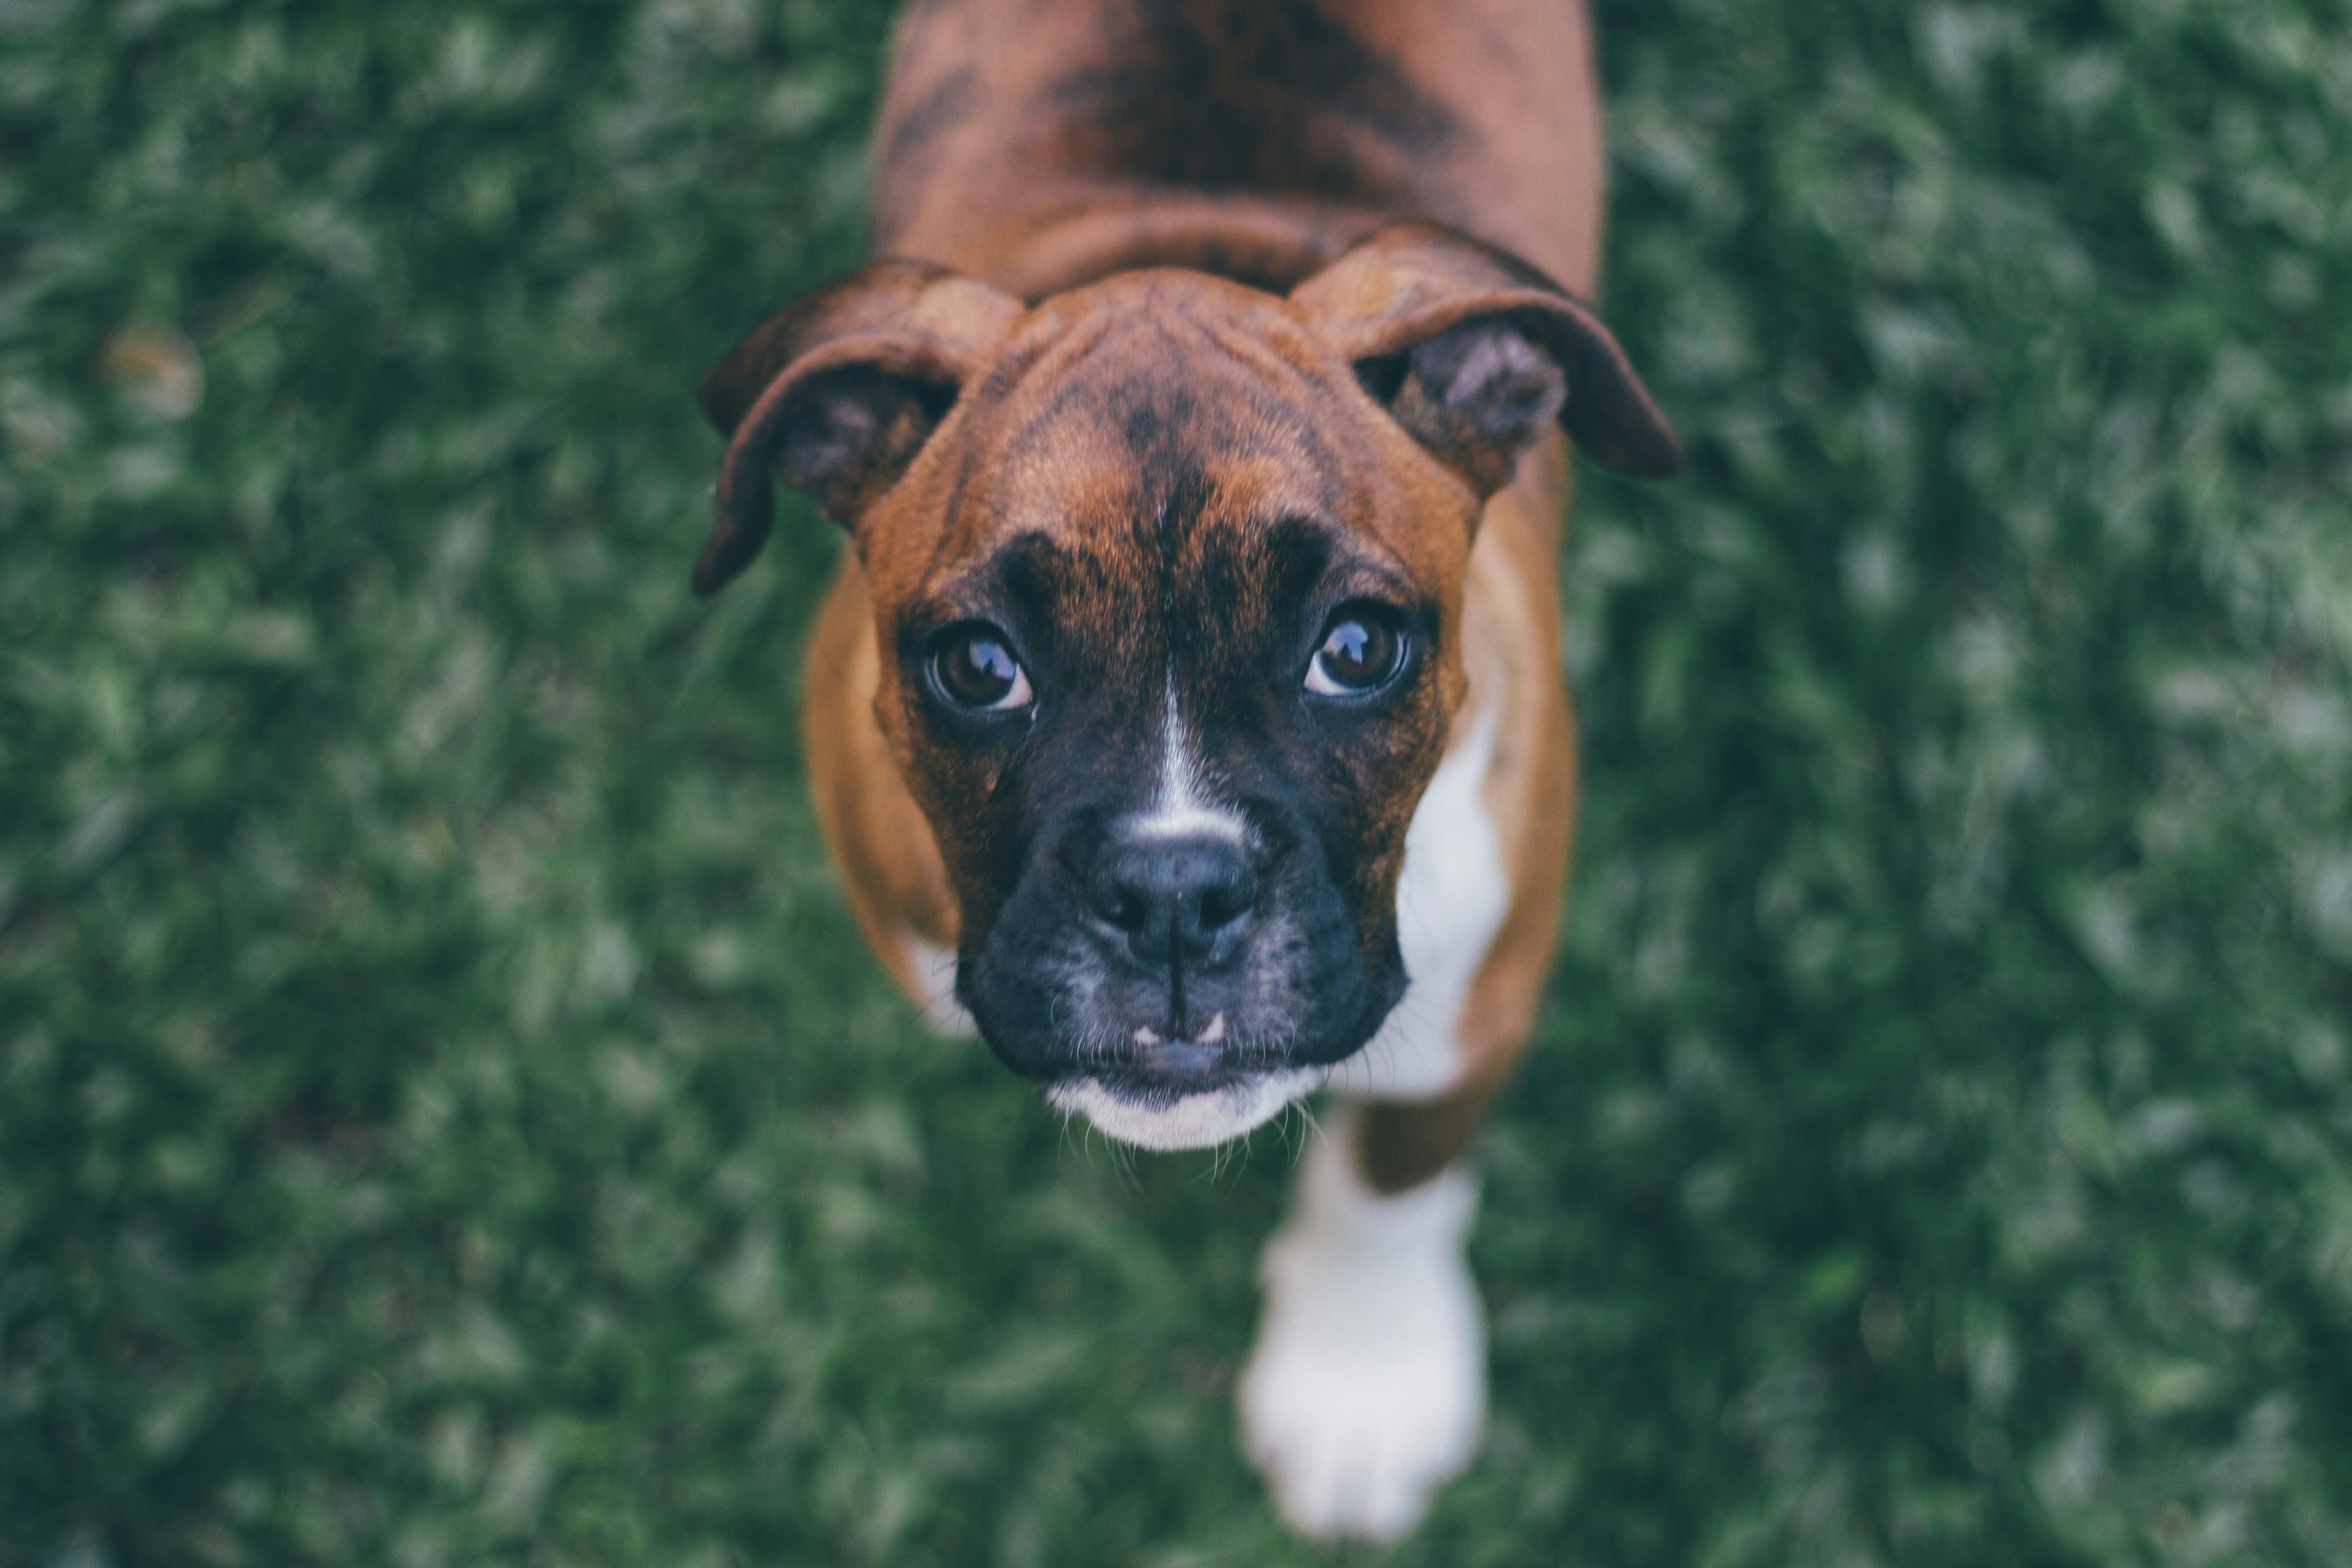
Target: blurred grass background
{"x":446,"y":1116}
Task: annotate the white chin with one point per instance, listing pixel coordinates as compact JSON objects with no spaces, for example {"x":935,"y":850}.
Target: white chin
{"x":1194,"y":1122}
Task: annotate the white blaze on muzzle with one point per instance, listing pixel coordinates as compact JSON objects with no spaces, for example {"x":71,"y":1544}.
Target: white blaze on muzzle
{"x":1183,"y":808}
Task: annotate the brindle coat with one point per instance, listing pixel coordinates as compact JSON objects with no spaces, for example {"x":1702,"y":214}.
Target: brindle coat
{"x":1166,"y":358}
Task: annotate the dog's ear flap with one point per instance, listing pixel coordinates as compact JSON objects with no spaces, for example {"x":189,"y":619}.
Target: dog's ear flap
{"x":1475,"y":352}
{"x":838,"y":392}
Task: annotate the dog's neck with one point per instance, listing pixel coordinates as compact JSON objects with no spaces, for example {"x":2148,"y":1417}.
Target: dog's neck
{"x":1096,"y":230}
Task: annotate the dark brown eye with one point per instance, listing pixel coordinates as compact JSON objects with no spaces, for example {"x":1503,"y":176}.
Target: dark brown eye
{"x":973,"y":669}
{"x":1360,"y":653}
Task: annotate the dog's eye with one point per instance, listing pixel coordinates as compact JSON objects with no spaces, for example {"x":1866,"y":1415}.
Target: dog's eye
{"x":1361,"y":652}
{"x":973,"y":669}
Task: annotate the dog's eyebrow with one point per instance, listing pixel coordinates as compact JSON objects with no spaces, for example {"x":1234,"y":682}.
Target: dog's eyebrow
{"x":1361,"y":560}
{"x":1028,"y":568}
{"x":1295,"y":566}
{"x":1018,"y":574}
{"x":1301,"y":552}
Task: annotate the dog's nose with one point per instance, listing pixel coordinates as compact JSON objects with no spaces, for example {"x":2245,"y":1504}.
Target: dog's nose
{"x":1175,"y":899}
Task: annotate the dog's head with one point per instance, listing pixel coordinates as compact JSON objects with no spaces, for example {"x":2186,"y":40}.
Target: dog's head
{"x":1167,"y":576}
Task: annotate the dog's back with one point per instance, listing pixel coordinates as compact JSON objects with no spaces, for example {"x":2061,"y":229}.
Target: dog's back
{"x":1038,"y":143}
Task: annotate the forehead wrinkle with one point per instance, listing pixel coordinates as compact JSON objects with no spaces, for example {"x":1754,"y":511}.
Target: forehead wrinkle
{"x":1244,"y":456}
{"x":1188,"y":382}
{"x":1279,"y":398}
{"x":1262,"y":378}
{"x":1239,"y":339}
{"x":1250,"y":501}
{"x":1061,"y":366}
{"x":1033,"y":357}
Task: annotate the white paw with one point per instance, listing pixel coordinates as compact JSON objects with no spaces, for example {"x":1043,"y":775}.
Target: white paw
{"x":1367,"y":1388}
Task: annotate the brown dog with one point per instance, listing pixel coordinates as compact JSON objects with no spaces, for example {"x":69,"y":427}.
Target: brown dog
{"x":1190,"y":714}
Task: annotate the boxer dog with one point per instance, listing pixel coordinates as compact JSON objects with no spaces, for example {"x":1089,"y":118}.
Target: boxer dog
{"x":1188,"y":712}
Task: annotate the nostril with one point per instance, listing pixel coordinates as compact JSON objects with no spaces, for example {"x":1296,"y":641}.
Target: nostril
{"x":1220,"y":904}
{"x":1119,"y":901}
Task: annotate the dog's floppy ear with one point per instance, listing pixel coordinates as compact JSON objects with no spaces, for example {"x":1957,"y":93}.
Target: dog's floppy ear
{"x":1475,"y":352}
{"x":838,"y":392}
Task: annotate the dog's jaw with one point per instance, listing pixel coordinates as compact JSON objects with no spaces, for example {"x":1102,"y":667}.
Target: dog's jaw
{"x":1200,"y":1121}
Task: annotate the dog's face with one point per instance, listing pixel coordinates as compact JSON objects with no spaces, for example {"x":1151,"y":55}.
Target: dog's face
{"x":1167,"y":579}
{"x":1172,"y":603}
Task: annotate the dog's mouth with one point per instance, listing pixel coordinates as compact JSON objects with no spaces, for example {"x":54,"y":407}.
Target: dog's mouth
{"x":1153,"y":1067}
{"x":1182,"y":1058}
{"x":1159,"y":1094}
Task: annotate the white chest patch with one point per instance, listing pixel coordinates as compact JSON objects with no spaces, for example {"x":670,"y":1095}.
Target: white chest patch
{"x":1451,"y":900}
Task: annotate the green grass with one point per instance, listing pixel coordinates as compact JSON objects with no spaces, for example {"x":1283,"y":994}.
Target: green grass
{"x":446,"y":1116}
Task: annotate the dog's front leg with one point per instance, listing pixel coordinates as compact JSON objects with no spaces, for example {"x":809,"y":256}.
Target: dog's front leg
{"x":1367,"y":1388}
